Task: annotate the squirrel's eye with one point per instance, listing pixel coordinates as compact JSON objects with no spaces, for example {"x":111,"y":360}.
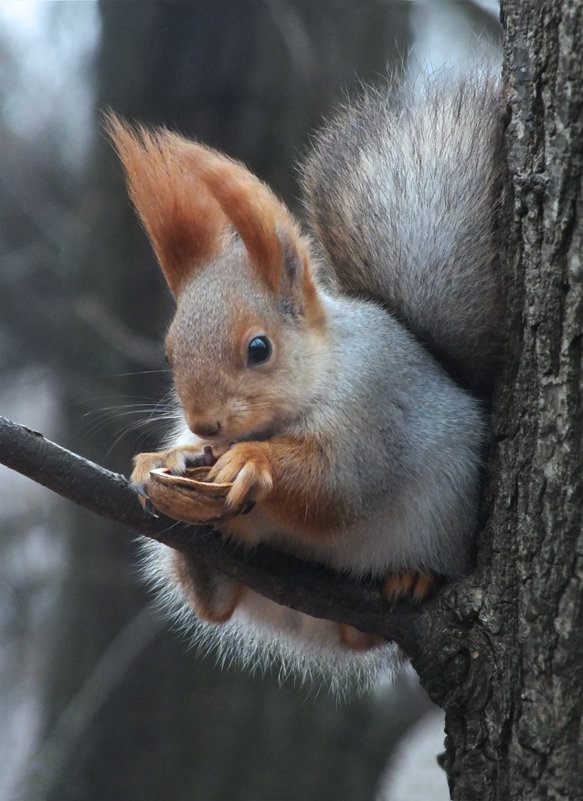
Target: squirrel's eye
{"x":258,"y":351}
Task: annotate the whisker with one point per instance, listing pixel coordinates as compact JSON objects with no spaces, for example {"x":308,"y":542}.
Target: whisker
{"x":149,"y":414}
{"x":138,"y":425}
{"x":140,"y":372}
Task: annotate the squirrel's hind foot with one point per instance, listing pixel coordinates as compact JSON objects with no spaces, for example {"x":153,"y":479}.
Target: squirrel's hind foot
{"x":414,"y":585}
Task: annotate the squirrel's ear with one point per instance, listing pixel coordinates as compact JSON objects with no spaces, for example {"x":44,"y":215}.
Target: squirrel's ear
{"x":249,"y":205}
{"x":262,"y":221}
{"x":271,"y":235}
{"x":297,"y":294}
{"x":188,"y":195}
{"x":184,"y":222}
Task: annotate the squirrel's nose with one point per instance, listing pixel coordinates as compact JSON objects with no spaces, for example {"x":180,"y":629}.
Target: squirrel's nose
{"x":204,"y":429}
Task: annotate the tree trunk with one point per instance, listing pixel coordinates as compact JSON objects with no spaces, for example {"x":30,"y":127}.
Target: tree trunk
{"x":512,"y":681}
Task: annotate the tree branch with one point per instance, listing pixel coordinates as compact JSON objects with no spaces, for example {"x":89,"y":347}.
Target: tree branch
{"x":304,"y":586}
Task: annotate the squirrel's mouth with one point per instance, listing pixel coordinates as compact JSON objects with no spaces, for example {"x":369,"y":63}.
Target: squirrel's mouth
{"x":210,"y":431}
{"x":251,"y":434}
{"x":232,"y":428}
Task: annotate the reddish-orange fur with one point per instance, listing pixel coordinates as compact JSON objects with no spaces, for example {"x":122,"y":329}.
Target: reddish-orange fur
{"x":358,"y":640}
{"x":211,"y":594}
{"x":282,"y":474}
{"x":184,"y":222}
{"x":259,"y":217}
{"x":298,"y":465}
{"x":188,"y":195}
{"x":248,"y":203}
{"x":409,"y":584}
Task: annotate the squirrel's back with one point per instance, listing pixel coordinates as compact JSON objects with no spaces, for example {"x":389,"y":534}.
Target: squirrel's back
{"x":402,"y":191}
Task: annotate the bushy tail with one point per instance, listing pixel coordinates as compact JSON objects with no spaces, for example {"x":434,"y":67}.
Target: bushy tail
{"x":402,"y":191}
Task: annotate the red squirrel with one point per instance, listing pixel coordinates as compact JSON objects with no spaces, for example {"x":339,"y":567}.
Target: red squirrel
{"x":338,"y":377}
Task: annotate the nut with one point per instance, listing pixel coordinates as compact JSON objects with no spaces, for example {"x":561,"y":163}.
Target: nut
{"x":190,"y":497}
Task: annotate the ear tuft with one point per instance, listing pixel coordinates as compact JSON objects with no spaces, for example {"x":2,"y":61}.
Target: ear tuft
{"x":184,"y":222}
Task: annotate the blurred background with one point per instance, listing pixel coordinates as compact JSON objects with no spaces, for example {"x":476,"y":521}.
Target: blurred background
{"x":99,"y":699}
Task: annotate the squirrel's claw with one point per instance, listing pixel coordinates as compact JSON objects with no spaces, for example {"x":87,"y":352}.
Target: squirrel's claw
{"x":247,"y":465}
{"x":415,"y":586}
{"x":145,"y":502}
{"x":149,"y":508}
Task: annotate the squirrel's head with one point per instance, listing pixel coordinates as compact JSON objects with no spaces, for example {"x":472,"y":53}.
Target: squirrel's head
{"x":249,"y":328}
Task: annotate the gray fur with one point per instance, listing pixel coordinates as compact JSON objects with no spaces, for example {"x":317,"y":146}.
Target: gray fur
{"x":402,"y":190}
{"x":402,"y":193}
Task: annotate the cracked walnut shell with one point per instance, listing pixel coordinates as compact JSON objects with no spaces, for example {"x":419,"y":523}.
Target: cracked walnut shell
{"x":190,"y":497}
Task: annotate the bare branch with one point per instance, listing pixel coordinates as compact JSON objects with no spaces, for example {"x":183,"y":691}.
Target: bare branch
{"x":305,"y":586}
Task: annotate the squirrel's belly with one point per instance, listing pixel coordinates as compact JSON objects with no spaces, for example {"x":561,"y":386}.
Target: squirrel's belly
{"x":385,"y":542}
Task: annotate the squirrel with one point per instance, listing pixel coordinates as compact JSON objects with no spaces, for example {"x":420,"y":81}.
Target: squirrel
{"x":339,"y":379}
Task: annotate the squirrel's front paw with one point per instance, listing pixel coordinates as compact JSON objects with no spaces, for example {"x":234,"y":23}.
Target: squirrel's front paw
{"x":175,"y":460}
{"x":248,"y":466}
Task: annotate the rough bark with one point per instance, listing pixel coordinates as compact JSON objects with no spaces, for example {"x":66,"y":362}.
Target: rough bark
{"x":514,"y":704}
